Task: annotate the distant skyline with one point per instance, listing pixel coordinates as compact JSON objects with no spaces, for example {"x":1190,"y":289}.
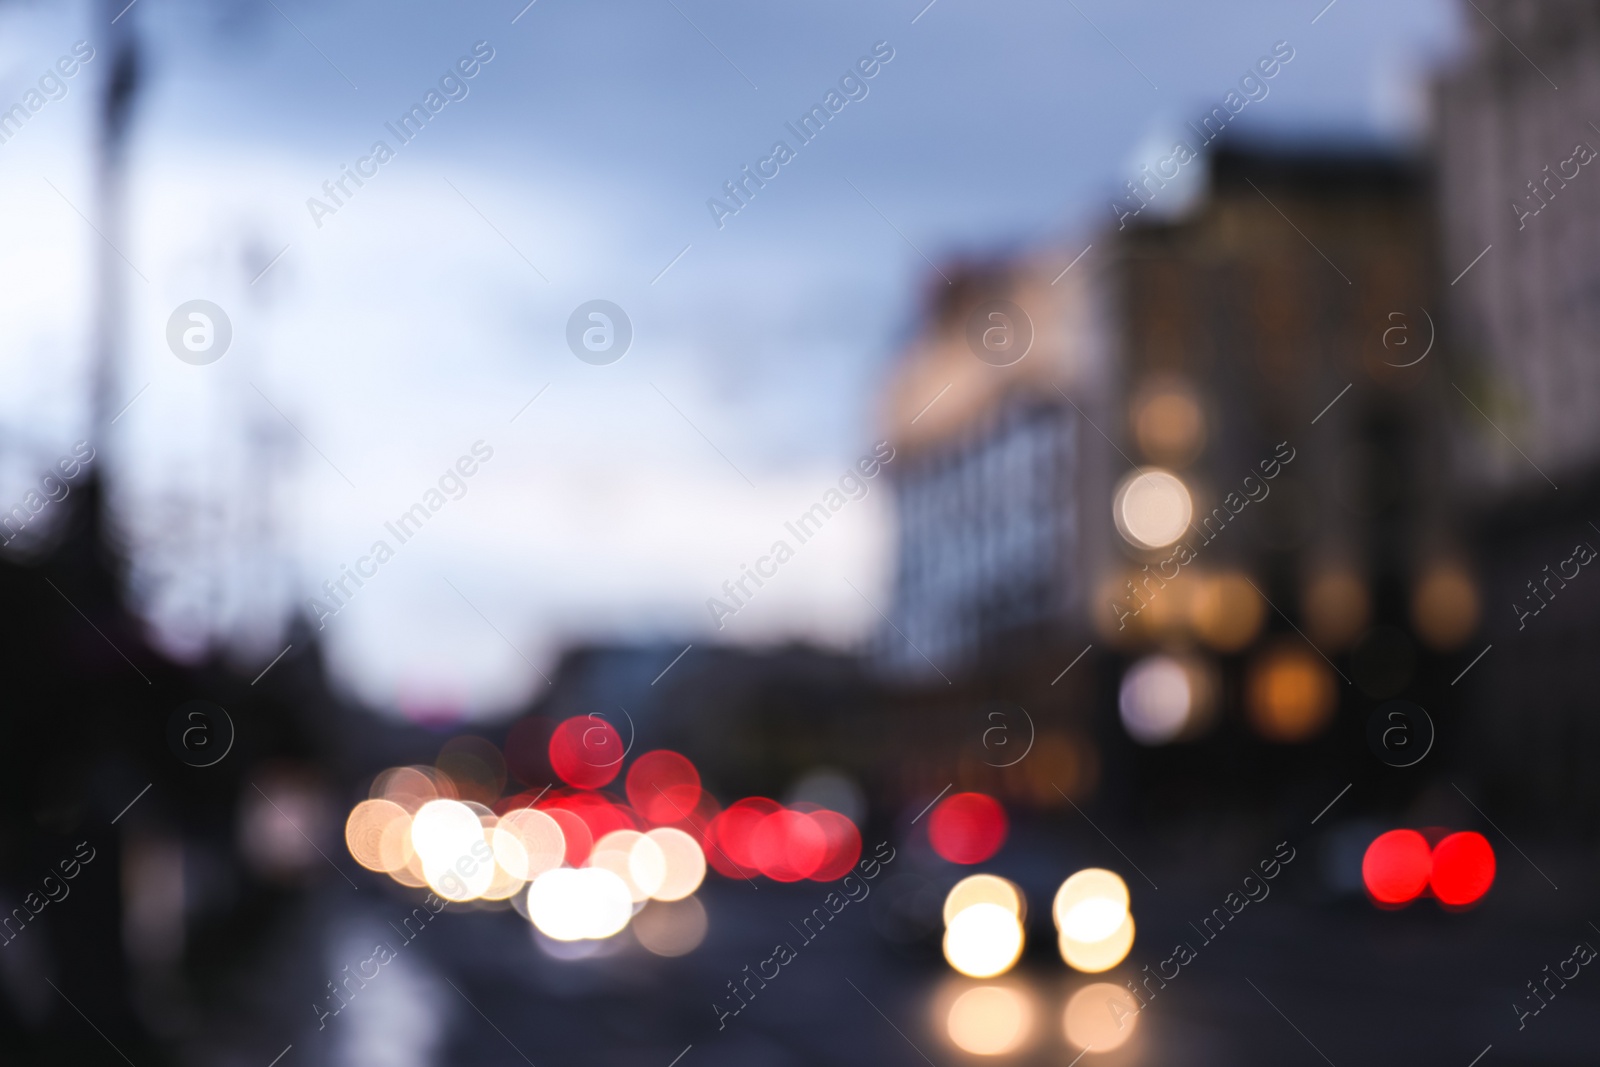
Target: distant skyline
{"x":431,"y":305}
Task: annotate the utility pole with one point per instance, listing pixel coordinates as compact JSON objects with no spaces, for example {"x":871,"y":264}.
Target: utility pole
{"x":110,"y":159}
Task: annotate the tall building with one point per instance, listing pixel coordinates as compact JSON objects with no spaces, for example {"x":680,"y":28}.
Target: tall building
{"x":1275,"y":319}
{"x":1520,"y":205}
{"x":1520,"y":201}
{"x":1218,"y":463}
{"x":994,"y":454}
{"x":1278,"y":328}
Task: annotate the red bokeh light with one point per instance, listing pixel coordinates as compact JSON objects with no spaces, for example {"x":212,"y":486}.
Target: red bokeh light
{"x":580,"y":842}
{"x":731,"y":834}
{"x":844,"y":845}
{"x":599,"y":812}
{"x":1463,"y":869}
{"x":700,"y":821}
{"x":967,"y":827}
{"x":586,"y":752}
{"x":1397,"y":866}
{"x":664,"y":787}
{"x":788,"y":846}
{"x":717,"y":859}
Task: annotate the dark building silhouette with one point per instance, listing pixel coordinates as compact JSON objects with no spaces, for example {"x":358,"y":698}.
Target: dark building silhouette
{"x":1520,"y":205}
{"x":1220,"y":460}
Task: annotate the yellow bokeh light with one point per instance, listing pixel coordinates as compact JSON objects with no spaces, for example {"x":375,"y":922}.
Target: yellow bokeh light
{"x":647,"y":868}
{"x":1445,"y":606}
{"x":408,"y":787}
{"x":1100,"y":1016}
{"x":1152,"y":508}
{"x":685,"y":863}
{"x":1290,"y":694}
{"x":543,"y":845}
{"x":394,"y":847}
{"x":410,"y":875}
{"x":506,"y":882}
{"x":1168,"y":424}
{"x":365,"y":829}
{"x":983,"y":941}
{"x":1227,"y":612}
{"x":989,"y":1020}
{"x":983,"y":889}
{"x":1091,"y":905}
{"x":463,"y":881}
{"x":634,"y":858}
{"x":1092,"y":957}
{"x":671,"y":928}
{"x":1337,"y":607}
{"x":510,"y":854}
{"x":502,"y":887}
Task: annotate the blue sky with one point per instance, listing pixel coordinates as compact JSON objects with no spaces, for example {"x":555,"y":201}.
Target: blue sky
{"x":433,"y":305}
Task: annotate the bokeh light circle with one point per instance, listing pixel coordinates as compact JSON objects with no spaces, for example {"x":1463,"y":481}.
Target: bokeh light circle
{"x":597,"y":810}
{"x":1100,"y":1016}
{"x":586,"y":752}
{"x":1092,"y":957}
{"x":647,"y":868}
{"x":1168,"y":423}
{"x":1445,"y":606}
{"x":788,"y":845}
{"x":983,"y":940}
{"x":843,"y":842}
{"x":663,"y":786}
{"x":634,"y":858}
{"x":458,"y":863}
{"x":1397,"y":866}
{"x":1290,"y":694}
{"x":983,"y":889}
{"x":505,"y":883}
{"x":1155,"y":700}
{"x":1337,"y":607}
{"x":989,"y":1021}
{"x":732,"y":832}
{"x":572,"y":905}
{"x":1091,"y":905}
{"x":671,"y":928}
{"x":1152,"y":508}
{"x":1227,"y":612}
{"x":575,"y":833}
{"x":442,"y":831}
{"x":365,"y":830}
{"x":394,"y":850}
{"x":685,"y":863}
{"x":409,"y":787}
{"x":967,"y":827}
{"x":1463,"y":869}
{"x":540,"y":837}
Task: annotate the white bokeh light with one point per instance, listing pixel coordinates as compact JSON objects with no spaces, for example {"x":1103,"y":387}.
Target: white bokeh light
{"x":1152,"y":508}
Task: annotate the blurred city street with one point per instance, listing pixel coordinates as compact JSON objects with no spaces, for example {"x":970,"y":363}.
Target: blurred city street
{"x":1357,"y":987}
{"x":681,"y":534}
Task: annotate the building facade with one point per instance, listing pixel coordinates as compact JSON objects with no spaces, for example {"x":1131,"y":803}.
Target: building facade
{"x":1520,"y":205}
{"x":1217,"y":473}
{"x":987,"y":412}
{"x":1520,"y":202}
